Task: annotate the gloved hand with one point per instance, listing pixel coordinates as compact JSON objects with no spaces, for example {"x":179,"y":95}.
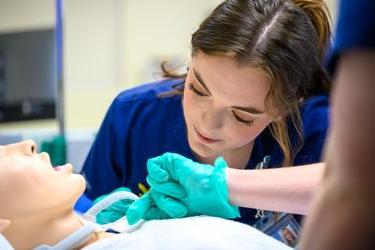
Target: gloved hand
{"x":115,"y":211}
{"x":181,"y":187}
{"x":154,"y":205}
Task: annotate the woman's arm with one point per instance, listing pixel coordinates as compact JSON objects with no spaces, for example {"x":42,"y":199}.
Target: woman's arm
{"x":203,"y":189}
{"x":281,"y":189}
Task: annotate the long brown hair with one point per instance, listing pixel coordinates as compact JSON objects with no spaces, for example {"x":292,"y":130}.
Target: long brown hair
{"x":285,"y":38}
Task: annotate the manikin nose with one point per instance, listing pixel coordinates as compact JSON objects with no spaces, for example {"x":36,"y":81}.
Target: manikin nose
{"x":27,"y":147}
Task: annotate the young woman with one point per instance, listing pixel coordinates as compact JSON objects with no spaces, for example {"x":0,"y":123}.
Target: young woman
{"x":255,"y":93}
{"x":36,"y":212}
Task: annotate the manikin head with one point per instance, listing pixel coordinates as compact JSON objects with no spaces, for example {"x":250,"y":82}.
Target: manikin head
{"x":29,"y":184}
{"x":34,"y":196}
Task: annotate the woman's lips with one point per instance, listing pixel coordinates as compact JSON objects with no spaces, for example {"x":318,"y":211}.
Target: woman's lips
{"x":204,"y":138}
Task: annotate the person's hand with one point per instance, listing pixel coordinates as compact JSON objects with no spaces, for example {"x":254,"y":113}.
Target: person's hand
{"x":181,"y":187}
{"x":115,"y":211}
{"x":155,"y":206}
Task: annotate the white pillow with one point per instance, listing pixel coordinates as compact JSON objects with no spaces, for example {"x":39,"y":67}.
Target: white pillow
{"x":200,"y":232}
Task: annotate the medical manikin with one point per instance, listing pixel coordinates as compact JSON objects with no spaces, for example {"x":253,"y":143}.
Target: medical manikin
{"x":36,"y":212}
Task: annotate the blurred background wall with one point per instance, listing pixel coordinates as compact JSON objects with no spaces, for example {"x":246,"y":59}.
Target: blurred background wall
{"x":109,"y":46}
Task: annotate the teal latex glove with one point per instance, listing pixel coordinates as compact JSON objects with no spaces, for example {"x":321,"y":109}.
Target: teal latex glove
{"x":154,"y":205}
{"x":115,"y":211}
{"x":181,"y":187}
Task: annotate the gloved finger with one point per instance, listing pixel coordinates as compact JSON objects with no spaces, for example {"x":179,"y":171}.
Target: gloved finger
{"x":220,"y":162}
{"x":108,"y":216}
{"x":172,"y":207}
{"x":138,"y":209}
{"x":167,"y":163}
{"x":113,"y":212}
{"x":155,"y":213}
{"x":155,"y":169}
{"x":120,"y":206}
{"x":170,"y":188}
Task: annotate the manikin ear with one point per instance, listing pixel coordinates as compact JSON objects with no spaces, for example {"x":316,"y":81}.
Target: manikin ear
{"x":4,"y":223}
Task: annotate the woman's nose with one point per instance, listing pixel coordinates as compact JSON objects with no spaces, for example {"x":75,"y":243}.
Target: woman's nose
{"x":213,"y":118}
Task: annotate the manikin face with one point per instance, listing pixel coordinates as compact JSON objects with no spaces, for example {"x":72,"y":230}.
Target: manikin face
{"x":224,"y":105}
{"x":29,"y":184}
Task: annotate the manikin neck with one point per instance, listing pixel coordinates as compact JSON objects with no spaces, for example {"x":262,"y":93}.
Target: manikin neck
{"x":30,"y":231}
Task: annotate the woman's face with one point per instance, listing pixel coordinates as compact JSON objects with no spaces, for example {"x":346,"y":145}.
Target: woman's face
{"x":224,"y":105}
{"x":29,"y":184}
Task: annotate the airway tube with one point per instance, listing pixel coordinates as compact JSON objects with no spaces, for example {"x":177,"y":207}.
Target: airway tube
{"x":4,"y":244}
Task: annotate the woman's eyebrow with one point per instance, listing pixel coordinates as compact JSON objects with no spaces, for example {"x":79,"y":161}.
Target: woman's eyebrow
{"x":199,"y":79}
{"x":250,"y":110}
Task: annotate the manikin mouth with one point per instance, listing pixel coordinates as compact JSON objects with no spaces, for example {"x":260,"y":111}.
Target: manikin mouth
{"x":66,"y":168}
{"x":58,"y":168}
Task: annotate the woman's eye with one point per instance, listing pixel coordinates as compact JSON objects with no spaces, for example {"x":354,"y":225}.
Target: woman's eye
{"x":195,"y":90}
{"x":242,"y":121}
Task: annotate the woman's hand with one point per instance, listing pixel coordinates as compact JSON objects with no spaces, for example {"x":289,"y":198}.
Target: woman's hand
{"x":115,"y":211}
{"x":181,"y":187}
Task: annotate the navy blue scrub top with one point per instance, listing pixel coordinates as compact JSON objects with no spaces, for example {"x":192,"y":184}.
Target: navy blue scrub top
{"x":355,"y":28}
{"x":140,"y":125}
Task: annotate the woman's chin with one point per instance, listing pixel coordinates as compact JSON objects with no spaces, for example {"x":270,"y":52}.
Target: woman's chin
{"x":204,"y":152}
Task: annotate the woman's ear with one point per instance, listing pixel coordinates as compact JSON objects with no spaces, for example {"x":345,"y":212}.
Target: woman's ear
{"x":278,"y":118}
{"x":4,"y":223}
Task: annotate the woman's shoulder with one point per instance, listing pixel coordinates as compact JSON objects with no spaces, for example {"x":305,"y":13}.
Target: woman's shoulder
{"x":315,"y":118}
{"x":315,"y":102}
{"x":143,"y":105}
{"x":147,"y":92}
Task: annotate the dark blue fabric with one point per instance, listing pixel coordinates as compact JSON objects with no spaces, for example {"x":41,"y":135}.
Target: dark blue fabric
{"x":355,"y":28}
{"x":139,"y":125}
{"x":83,"y":204}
